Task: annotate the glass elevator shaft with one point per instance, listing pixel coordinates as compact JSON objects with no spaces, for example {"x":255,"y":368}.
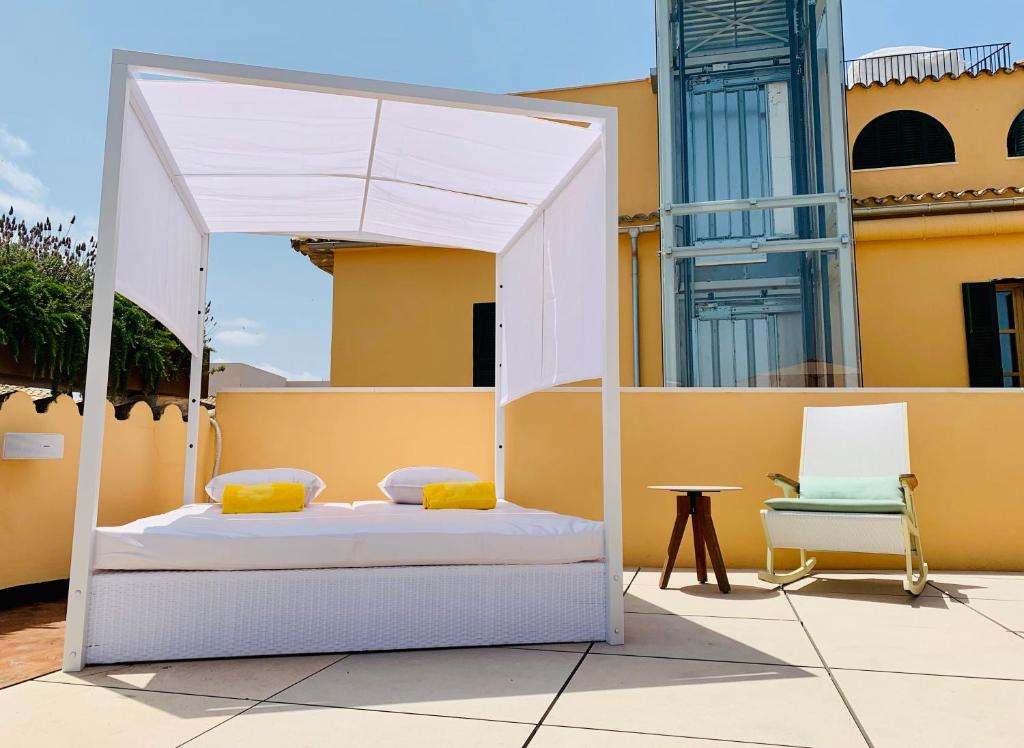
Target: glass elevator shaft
{"x":757,"y":244}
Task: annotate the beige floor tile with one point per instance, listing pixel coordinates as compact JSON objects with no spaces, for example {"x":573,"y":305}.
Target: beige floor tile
{"x":709,"y":638}
{"x":707,"y":700}
{"x":900,"y":710}
{"x":496,"y":683}
{"x":929,"y":635}
{"x":575,"y":737}
{"x":276,"y":725}
{"x":706,"y":600}
{"x":975,"y":585}
{"x":684,"y":577}
{"x":1009,"y":613}
{"x":628,"y":575}
{"x":55,"y":714}
{"x":244,"y":678}
{"x":855,"y":583}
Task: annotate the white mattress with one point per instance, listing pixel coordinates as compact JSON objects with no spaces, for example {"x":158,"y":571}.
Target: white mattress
{"x":366,"y":533}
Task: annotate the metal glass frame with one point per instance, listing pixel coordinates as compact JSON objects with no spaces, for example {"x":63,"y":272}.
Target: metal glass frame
{"x":838,"y":198}
{"x":124,"y":64}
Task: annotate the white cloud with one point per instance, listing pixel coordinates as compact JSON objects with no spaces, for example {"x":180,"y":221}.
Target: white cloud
{"x":236,"y":323}
{"x":295,"y":376}
{"x":27,"y":193}
{"x":242,"y":338}
{"x":12,"y":144}
{"x":20,"y":180}
{"x":239,"y":331}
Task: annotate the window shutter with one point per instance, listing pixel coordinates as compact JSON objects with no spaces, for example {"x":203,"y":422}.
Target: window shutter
{"x":980,"y":320}
{"x":483,"y":344}
{"x":1015,"y":140}
{"x":902,"y":138}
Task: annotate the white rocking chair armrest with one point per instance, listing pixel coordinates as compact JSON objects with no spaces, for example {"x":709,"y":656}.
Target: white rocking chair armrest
{"x":790,"y":487}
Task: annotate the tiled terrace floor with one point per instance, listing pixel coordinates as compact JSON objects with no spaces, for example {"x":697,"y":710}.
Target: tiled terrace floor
{"x":841,"y":660}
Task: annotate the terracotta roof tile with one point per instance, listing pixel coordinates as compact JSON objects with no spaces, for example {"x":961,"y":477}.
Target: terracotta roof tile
{"x":1015,"y":67}
{"x":939,"y":197}
{"x":36,"y":393}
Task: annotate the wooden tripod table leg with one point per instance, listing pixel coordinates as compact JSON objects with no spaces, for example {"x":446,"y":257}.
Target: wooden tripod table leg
{"x":682,"y":513}
{"x":700,"y":560}
{"x":711,"y":540}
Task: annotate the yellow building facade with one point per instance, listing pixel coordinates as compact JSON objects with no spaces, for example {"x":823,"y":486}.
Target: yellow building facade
{"x":403,"y":316}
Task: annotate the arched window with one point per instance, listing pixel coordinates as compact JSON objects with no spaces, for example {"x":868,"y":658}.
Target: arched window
{"x":1015,"y":138}
{"x":902,"y":138}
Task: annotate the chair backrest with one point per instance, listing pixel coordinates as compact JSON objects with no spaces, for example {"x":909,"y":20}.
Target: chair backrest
{"x":859,"y":440}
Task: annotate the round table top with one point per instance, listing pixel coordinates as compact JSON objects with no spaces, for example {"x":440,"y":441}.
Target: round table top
{"x":696,"y":489}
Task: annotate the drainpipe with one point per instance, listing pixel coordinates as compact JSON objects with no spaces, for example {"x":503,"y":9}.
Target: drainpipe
{"x":634,"y":237}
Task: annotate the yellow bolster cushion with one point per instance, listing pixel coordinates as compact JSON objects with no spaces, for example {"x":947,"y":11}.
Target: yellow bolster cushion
{"x":258,"y":498}
{"x":474,"y":495}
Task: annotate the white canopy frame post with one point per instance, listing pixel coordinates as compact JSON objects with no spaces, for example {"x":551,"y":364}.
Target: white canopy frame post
{"x":124,"y":65}
{"x":611,"y":436}
{"x":499,"y":409}
{"x":195,"y":381}
{"x":90,"y":459}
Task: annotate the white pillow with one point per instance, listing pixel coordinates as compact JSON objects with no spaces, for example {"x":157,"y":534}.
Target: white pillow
{"x":405,"y":485}
{"x":313,"y":484}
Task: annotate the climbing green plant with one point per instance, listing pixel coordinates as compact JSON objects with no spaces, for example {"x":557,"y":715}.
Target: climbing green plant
{"x":45,"y":306}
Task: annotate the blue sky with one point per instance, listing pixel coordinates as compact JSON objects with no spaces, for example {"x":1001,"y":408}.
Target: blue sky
{"x":273,"y":307}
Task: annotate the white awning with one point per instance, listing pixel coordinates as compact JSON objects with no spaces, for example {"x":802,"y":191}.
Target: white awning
{"x":210,"y":156}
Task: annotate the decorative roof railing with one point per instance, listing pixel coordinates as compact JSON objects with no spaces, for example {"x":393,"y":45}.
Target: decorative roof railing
{"x":921,"y":64}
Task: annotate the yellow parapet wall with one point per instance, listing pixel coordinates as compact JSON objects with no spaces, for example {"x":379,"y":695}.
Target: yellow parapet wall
{"x":143,"y":465}
{"x":964,"y":450}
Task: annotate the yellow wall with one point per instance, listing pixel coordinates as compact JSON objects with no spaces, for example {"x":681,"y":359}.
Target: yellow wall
{"x":964,"y":448}
{"x":910,"y":270}
{"x":911,"y":304}
{"x":977,"y":112}
{"x":403,"y":316}
{"x":143,"y":464}
{"x":638,"y":136}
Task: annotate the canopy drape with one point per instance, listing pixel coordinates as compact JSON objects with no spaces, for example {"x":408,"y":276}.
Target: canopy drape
{"x":207,"y":156}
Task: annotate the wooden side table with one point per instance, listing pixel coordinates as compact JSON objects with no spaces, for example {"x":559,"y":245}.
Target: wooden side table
{"x":693,"y":501}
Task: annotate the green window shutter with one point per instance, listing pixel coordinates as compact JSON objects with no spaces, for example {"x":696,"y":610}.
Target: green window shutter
{"x":982,"y":326}
{"x":483,"y":344}
{"x":902,"y":138}
{"x":1015,"y":139}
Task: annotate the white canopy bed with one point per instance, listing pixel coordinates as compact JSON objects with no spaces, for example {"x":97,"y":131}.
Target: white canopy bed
{"x":196,"y":147}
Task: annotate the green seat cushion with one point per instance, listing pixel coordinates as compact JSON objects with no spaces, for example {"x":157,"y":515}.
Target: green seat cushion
{"x":871,"y":506}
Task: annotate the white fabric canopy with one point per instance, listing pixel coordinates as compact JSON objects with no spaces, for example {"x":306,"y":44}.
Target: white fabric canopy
{"x":205,"y":156}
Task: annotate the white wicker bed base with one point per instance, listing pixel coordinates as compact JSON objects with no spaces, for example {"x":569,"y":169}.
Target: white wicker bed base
{"x":171,"y":615}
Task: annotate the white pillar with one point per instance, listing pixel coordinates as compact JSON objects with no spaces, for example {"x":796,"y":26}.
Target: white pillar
{"x":611,"y":458}
{"x":499,"y":410}
{"x":195,"y":382}
{"x":91,"y":453}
